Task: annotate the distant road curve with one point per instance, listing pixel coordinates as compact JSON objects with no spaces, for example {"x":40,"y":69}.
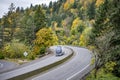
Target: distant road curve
{"x":74,"y":69}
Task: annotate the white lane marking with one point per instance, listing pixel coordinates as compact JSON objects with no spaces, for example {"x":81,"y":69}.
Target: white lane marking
{"x":1,"y":65}
{"x":77,"y":72}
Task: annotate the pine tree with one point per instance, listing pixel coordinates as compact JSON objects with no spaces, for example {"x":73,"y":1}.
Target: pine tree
{"x":91,"y":10}
{"x":39,"y":18}
{"x":12,"y":21}
{"x":1,"y":35}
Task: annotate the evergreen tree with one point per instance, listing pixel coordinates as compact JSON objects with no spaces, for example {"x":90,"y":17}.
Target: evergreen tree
{"x":114,"y":17}
{"x":11,"y":8}
{"x":50,"y":4}
{"x":106,"y":37}
{"x":1,"y":36}
{"x":18,"y":9}
{"x":12,"y":19}
{"x":39,"y":19}
{"x":91,"y":10}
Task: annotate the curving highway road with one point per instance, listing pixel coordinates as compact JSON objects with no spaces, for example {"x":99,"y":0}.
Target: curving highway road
{"x":75,"y":69}
{"x":34,"y":66}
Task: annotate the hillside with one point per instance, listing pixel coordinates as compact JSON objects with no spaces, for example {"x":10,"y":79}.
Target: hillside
{"x":86,"y":23}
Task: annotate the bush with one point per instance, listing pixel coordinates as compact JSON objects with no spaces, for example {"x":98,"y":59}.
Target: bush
{"x":116,"y":70}
{"x":31,"y":56}
{"x":109,"y":66}
{"x":15,"y":50}
{"x":1,"y":56}
{"x":101,"y":75}
{"x":42,"y":50}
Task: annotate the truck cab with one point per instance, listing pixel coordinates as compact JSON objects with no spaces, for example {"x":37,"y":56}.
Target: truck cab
{"x":59,"y":51}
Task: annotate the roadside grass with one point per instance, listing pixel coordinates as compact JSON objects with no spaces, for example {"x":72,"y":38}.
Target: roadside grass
{"x":102,"y":75}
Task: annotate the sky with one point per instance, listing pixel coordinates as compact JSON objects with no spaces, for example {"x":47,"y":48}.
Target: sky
{"x":4,"y":4}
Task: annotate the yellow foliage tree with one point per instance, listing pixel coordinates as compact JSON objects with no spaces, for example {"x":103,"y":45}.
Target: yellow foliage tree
{"x":85,"y":3}
{"x":68,"y":4}
{"x":99,"y":2}
{"x":82,"y":40}
{"x":84,"y":37}
{"x":77,"y":26}
{"x":76,"y":23}
{"x":44,"y":38}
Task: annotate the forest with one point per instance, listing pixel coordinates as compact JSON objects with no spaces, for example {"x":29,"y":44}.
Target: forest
{"x":94,"y":24}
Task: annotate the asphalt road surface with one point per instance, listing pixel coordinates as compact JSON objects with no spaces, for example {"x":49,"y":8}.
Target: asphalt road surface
{"x":77,"y":65}
{"x":6,"y":65}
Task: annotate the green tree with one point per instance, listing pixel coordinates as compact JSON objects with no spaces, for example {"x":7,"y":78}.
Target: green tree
{"x":1,"y":36}
{"x":50,"y":4}
{"x":91,"y":10}
{"x":26,"y":31}
{"x":106,"y":37}
{"x":39,"y":18}
{"x":12,"y":19}
{"x":114,"y":18}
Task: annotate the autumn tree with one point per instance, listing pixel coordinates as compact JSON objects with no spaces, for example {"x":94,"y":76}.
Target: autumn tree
{"x":68,"y":4}
{"x":99,"y":2}
{"x":77,"y":26}
{"x":85,"y":36}
{"x":44,"y":39}
{"x":9,"y":23}
{"x":7,"y":29}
